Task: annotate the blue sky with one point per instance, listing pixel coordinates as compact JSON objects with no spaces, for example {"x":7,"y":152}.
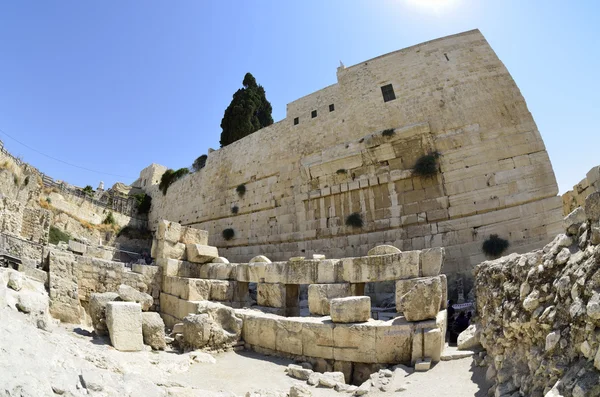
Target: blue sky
{"x":116,"y":85}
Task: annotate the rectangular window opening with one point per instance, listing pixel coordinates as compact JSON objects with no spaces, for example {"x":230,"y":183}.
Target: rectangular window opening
{"x":331,"y":107}
{"x":296,"y":120}
{"x":313,"y":114}
{"x":388,"y":93}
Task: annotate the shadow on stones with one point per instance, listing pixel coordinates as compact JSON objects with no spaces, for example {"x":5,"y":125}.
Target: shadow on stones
{"x":478,"y":378}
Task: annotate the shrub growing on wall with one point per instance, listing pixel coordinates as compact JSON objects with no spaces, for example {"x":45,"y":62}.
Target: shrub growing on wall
{"x":427,"y":165}
{"x":388,"y":132}
{"x":88,"y":190}
{"x":169,"y":177}
{"x":56,"y":235}
{"x":354,"y":220}
{"x":228,"y":234}
{"x":341,"y":171}
{"x":241,"y":189}
{"x":143,"y":203}
{"x":110,"y":219}
{"x":235,"y":209}
{"x":494,"y":246}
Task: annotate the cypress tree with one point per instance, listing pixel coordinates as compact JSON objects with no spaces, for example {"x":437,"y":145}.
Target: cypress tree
{"x":248,"y":112}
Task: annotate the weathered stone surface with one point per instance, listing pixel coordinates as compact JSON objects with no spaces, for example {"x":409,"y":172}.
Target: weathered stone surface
{"x":270,"y":295}
{"x":197,"y":253}
{"x":592,"y":206}
{"x":220,"y":259}
{"x":153,"y":330}
{"x":319,"y":296}
{"x":298,"y":372}
{"x":433,"y":344}
{"x":168,"y":250}
{"x":216,"y":326}
{"x":97,"y":309}
{"x":300,"y":391}
{"x":469,"y":338}
{"x":383,"y":250}
{"x":124,"y":322}
{"x":431,"y":261}
{"x":77,"y":247}
{"x":15,"y":281}
{"x":422,"y":301}
{"x":331,"y":379}
{"x":574,"y":220}
{"x":351,"y":309}
{"x":130,"y":294}
{"x":190,"y":235}
{"x":168,"y":231}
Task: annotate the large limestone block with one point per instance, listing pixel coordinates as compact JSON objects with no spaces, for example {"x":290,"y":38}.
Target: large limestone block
{"x":221,"y":290}
{"x":381,"y":268}
{"x":260,"y":329}
{"x":198,"y":253}
{"x":168,"y":231}
{"x":574,"y":219}
{"x":319,"y":296}
{"x":355,"y":342}
{"x":97,"y":308}
{"x":169,"y":267}
{"x":275,"y":272}
{"x":469,"y":338}
{"x":433,"y":345}
{"x":124,"y":322}
{"x":352,"y":309}
{"x":198,"y":290}
{"x":383,"y":250}
{"x":77,"y":247}
{"x":260,"y":259}
{"x":153,"y":330}
{"x":431,"y":261}
{"x":329,"y":271}
{"x":220,"y":271}
{"x":130,"y":294}
{"x":419,"y":299}
{"x":216,"y":326}
{"x":189,"y":235}
{"x":256,"y":272}
{"x":302,"y":271}
{"x":270,"y":295}
{"x":288,"y":336}
{"x":394,"y":341}
{"x":167,"y":249}
{"x":317,"y":338}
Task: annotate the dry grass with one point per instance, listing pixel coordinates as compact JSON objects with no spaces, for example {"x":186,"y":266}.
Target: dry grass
{"x":89,"y":226}
{"x":48,"y":190}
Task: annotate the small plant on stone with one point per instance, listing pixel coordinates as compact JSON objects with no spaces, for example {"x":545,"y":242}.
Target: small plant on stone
{"x":241,"y":189}
{"x":495,"y":246}
{"x":48,"y":200}
{"x":88,"y":190}
{"x":389,"y":132}
{"x":235,"y":209}
{"x":16,"y":179}
{"x":341,"y":171}
{"x":110,"y":219}
{"x":199,"y":163}
{"x":169,"y":177}
{"x":228,"y":234}
{"x":56,"y":235}
{"x":427,"y":165}
{"x":354,"y":220}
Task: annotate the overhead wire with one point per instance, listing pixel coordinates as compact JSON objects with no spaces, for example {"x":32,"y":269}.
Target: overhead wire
{"x":59,"y":160}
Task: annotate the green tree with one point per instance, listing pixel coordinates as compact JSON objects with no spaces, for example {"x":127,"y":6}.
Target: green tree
{"x":249,"y":111}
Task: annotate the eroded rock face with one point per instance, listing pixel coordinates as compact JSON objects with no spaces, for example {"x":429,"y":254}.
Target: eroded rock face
{"x":538,"y":313}
{"x":215,"y":327}
{"x":153,"y":330}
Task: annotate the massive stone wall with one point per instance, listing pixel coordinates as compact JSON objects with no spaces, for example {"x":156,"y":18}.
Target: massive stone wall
{"x":453,"y":96}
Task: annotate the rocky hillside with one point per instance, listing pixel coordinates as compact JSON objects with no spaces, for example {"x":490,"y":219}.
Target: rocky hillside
{"x":539,"y":313}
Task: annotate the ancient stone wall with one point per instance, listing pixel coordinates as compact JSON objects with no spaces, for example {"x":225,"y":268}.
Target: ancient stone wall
{"x":576,"y":197}
{"x":73,"y":278}
{"x":539,"y":313}
{"x":453,"y":96}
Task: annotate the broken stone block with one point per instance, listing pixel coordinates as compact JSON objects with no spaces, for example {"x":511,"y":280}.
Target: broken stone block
{"x":381,"y":267}
{"x":190,"y":235}
{"x":130,"y":294}
{"x":592,"y":206}
{"x":216,"y":326}
{"x":166,"y":249}
{"x":353,"y":309}
{"x":221,"y":290}
{"x":319,"y":296}
{"x":469,"y":338}
{"x":168,"y":231}
{"x":423,"y":365}
{"x":153,"y":330}
{"x":77,"y":247}
{"x":298,"y":372}
{"x":431,"y":261}
{"x":270,"y":295}
{"x":422,"y":301}
{"x":331,"y":379}
{"x":300,"y":391}
{"x":198,"y":253}
{"x":220,"y":259}
{"x":383,"y":250}
{"x":574,"y":220}
{"x":15,"y":281}
{"x":97,"y":308}
{"x":124,"y":322}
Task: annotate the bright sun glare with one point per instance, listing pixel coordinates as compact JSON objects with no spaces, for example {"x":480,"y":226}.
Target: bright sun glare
{"x":436,"y":6}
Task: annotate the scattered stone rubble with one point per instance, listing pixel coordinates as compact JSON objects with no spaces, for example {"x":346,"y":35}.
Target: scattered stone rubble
{"x":539,"y":313}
